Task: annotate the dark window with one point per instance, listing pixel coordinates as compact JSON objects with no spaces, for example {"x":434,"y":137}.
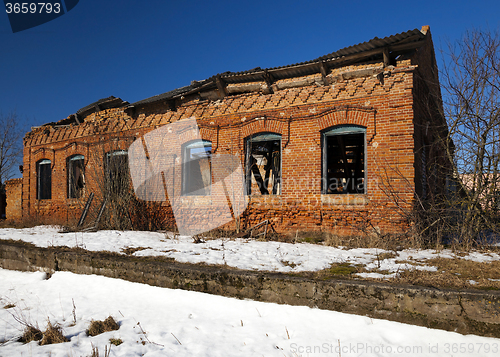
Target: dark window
{"x":344,"y":160}
{"x":44,"y":179}
{"x":263,"y":163}
{"x":117,"y":172}
{"x":76,"y":176}
{"x":196,"y":168}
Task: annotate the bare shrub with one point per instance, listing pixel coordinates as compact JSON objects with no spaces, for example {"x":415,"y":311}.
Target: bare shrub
{"x":11,"y":147}
{"x":114,"y":204}
{"x":150,"y":216}
{"x":471,"y":82}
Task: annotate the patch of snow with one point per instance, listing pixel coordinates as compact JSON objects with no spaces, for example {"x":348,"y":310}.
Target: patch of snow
{"x":376,"y":275}
{"x":248,"y":254}
{"x":482,"y":257}
{"x":165,"y":322}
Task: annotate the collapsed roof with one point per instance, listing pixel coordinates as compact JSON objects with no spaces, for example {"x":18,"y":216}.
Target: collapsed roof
{"x":386,"y":49}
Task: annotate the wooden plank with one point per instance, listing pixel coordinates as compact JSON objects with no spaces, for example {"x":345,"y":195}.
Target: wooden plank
{"x":85,"y":210}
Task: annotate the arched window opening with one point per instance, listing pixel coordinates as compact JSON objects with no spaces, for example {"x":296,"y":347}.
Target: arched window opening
{"x":263,"y":164}
{"x":117,"y":177}
{"x":44,"y":179}
{"x":196,"y":168}
{"x":76,"y":176}
{"x":343,"y":156}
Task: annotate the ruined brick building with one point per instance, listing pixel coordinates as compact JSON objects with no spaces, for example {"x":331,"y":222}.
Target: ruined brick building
{"x":340,"y":142}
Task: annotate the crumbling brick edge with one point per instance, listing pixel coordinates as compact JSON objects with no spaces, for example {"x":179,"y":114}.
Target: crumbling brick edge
{"x":462,"y":311}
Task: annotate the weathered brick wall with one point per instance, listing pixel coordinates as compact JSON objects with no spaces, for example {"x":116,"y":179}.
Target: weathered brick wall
{"x":13,"y":189}
{"x":430,"y":128}
{"x":383,"y":103}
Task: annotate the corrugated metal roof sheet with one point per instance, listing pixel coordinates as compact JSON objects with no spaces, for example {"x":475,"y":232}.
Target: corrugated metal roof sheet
{"x":166,"y":95}
{"x":104,"y":103}
{"x":292,"y":70}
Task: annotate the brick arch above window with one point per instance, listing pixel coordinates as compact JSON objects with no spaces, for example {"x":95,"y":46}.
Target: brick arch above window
{"x":76,"y":148}
{"x":209,"y":134}
{"x":361,"y":116}
{"x":264,"y":125}
{"x":44,"y":153}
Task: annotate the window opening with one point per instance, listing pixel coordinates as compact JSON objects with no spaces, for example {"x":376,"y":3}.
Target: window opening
{"x":196,"y":171}
{"x":117,"y":172}
{"x":44,"y":179}
{"x":76,"y":176}
{"x":344,"y":160}
{"x":263,"y":164}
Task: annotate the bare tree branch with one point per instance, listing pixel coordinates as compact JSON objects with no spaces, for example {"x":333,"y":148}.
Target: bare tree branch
{"x":471,"y":87}
{"x":11,"y":145}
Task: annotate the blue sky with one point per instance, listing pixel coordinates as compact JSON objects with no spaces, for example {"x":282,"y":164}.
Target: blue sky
{"x":137,"y":49}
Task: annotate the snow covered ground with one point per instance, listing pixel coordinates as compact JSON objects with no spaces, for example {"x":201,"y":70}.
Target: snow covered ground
{"x":164,"y":322}
{"x":247,"y":254}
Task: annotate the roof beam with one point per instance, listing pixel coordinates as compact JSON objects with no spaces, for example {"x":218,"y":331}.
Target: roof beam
{"x":387,"y":58}
{"x":171,"y":104}
{"x":323,"y":68}
{"x":268,"y":78}
{"x":221,"y":86}
{"x":334,"y":62}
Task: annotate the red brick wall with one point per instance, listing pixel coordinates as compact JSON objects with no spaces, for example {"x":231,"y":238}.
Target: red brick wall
{"x":13,"y":189}
{"x":384,"y":104}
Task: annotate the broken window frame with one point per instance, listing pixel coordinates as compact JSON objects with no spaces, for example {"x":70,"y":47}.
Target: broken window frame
{"x":251,"y":142}
{"x":115,"y":172}
{"x":76,"y":175}
{"x":350,"y":183}
{"x":44,"y":179}
{"x":196,"y":183}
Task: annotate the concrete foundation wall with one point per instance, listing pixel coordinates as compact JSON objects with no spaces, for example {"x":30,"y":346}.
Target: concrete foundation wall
{"x":466,"y":312}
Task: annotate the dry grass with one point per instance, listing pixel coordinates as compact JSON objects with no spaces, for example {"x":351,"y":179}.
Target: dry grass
{"x":339,"y":270}
{"x":31,"y":333}
{"x":455,"y":273}
{"x":95,"y":351}
{"x":53,"y":334}
{"x":393,"y":242}
{"x":97,"y":327}
{"x":115,"y":341}
{"x":132,"y":250}
{"x":372,"y":240}
{"x":27,"y":222}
